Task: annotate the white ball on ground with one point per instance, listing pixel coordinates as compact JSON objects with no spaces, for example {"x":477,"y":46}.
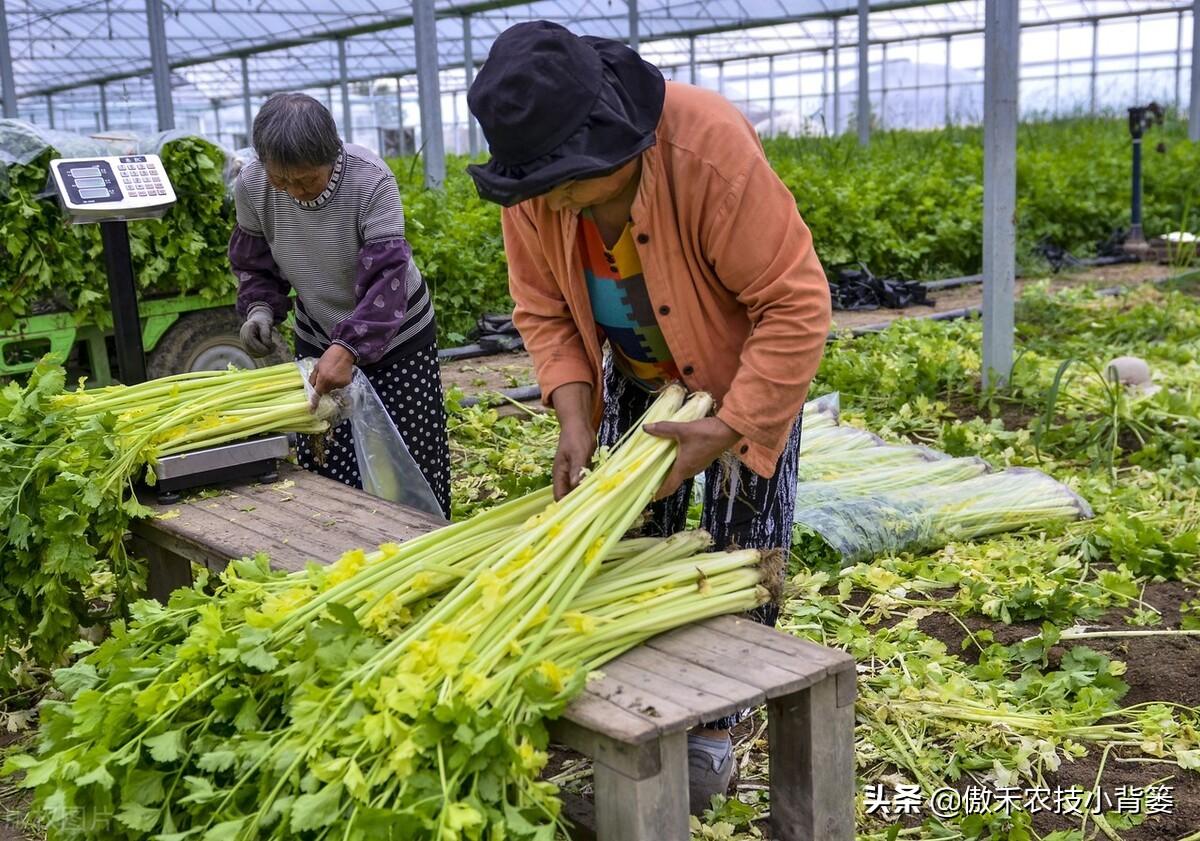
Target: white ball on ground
{"x":1129,"y":370}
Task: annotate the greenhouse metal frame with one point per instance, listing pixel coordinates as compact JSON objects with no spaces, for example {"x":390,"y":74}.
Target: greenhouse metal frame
{"x":62,"y":62}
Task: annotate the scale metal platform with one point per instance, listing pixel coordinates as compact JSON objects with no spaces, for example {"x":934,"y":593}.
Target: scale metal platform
{"x":256,"y":458}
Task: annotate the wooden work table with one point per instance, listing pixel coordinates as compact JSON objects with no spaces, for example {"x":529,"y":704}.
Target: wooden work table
{"x":633,"y":721}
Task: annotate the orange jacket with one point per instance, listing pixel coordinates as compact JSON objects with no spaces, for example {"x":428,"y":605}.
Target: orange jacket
{"x":729,"y":266}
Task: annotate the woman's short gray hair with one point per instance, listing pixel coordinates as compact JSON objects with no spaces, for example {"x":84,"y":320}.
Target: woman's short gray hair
{"x":294,"y":130}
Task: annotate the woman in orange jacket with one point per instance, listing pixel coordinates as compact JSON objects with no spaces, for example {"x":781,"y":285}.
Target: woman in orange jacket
{"x":644,"y":213}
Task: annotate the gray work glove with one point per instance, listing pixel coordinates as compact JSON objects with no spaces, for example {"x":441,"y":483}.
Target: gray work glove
{"x":258,"y":331}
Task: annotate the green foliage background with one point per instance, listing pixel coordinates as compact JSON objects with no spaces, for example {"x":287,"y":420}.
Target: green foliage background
{"x":910,"y":204}
{"x":44,"y":259}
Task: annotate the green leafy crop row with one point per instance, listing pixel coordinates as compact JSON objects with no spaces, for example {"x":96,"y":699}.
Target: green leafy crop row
{"x":910,"y":204}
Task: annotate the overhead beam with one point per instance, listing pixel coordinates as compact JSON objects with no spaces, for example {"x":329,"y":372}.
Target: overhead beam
{"x":1001,"y":85}
{"x":401,"y":22}
{"x":160,"y":65}
{"x":429,"y":94}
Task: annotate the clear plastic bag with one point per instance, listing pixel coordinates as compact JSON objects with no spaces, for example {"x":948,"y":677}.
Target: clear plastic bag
{"x":385,"y":465}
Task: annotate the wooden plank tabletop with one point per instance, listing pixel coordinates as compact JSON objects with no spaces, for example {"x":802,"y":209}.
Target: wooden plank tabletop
{"x":674,"y":682}
{"x":303,"y":517}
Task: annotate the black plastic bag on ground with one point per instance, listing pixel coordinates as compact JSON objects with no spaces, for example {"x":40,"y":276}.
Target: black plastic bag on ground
{"x":855,"y":288}
{"x":495,"y":331}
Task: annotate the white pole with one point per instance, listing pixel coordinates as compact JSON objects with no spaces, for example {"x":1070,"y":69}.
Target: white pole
{"x":864,"y":74}
{"x":1194,"y":102}
{"x":1001,"y":86}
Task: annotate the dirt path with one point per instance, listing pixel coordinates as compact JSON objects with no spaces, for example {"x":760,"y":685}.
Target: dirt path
{"x":513,"y":370}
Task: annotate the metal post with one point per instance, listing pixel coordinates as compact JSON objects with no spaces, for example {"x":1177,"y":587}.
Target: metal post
{"x":160,"y":68}
{"x":1194,"y":102}
{"x":122,"y":292}
{"x":429,"y":93}
{"x":1178,"y":61}
{"x":8,"y":81}
{"x":1057,"y":70}
{"x":454,"y":120}
{"x":469,"y":71}
{"x":247,"y":115}
{"x":400,"y":115}
{"x":883,"y":88}
{"x":825,"y":89}
{"x":1095,"y":51}
{"x":946,"y":85}
{"x":837,"y":82}
{"x":103,"y":107}
{"x":721,"y":78}
{"x":216,"y":105}
{"x":771,"y":96}
{"x":633,"y":23}
{"x":1001,"y":84}
{"x":50,"y":109}
{"x":864,"y":73}
{"x":343,"y":81}
{"x":1137,"y":60}
{"x":692,"y":59}
{"x":1135,"y":211}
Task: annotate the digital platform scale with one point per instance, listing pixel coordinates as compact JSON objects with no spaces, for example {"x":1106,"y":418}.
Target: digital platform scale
{"x":115,"y":188}
{"x":111,"y":190}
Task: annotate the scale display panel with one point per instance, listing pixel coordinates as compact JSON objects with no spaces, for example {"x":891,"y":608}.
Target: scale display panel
{"x":112,"y":188}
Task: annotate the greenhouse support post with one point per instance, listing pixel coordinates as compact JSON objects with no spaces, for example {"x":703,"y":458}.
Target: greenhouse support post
{"x":837,"y":82}
{"x":946,"y":86}
{"x":344,"y":84}
{"x":469,"y":73}
{"x":103,"y":107}
{"x":7,"y":79}
{"x":160,"y":69}
{"x":429,"y":94}
{"x":1194,"y":102}
{"x":247,"y":116}
{"x":1001,"y":63}
{"x":50,"y":109}
{"x":633,"y":23}
{"x":216,"y":106}
{"x":864,"y":73}
{"x":400,"y":115}
{"x":692,"y":59}
{"x":1094,"y":68}
{"x":1178,"y":60}
{"x":771,"y":96}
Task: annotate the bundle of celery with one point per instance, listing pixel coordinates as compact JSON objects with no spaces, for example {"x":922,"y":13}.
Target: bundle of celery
{"x":395,"y":694}
{"x":67,"y":464}
{"x":856,"y":500}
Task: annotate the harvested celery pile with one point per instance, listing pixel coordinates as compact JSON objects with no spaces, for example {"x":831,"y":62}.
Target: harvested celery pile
{"x":68,"y":461}
{"x":859,"y":499}
{"x":400,"y":693}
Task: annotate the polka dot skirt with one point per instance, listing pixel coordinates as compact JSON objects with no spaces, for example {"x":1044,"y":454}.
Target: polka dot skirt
{"x":411,"y":391}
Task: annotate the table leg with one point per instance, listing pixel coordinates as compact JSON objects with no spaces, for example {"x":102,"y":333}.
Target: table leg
{"x":652,"y":808}
{"x":811,"y":737}
{"x":166,"y":571}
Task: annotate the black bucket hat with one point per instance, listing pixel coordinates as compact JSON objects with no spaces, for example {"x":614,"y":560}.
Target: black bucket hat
{"x":558,"y":107}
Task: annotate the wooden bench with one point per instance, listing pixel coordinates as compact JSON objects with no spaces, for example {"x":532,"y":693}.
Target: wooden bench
{"x":633,"y":721}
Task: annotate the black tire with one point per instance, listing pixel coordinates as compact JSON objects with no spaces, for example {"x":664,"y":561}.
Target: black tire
{"x":207,"y":340}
